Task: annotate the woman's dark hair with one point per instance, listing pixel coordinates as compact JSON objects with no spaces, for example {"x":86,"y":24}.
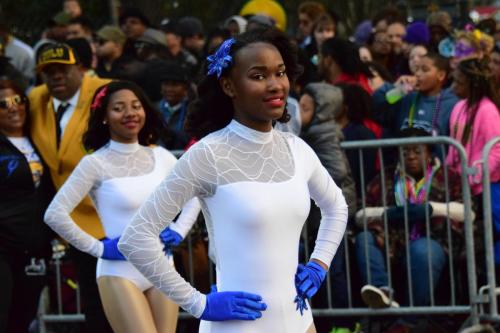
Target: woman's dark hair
{"x":213,"y":109}
{"x":479,"y":85}
{"x":217,"y":32}
{"x":380,"y":70}
{"x":8,"y":84}
{"x":83,"y":50}
{"x":97,"y":134}
{"x":357,"y":101}
{"x":346,"y":54}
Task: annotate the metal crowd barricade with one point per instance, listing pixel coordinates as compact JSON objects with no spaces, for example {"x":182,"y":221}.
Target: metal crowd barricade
{"x":453,"y":308}
{"x":44,"y":306}
{"x":489,"y":291}
{"x":433,"y":308}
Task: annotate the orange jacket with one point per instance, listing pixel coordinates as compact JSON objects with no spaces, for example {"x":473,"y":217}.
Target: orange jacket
{"x":62,"y":162}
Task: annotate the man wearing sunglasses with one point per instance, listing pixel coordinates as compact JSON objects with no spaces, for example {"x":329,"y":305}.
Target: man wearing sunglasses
{"x":110,"y":42}
{"x":60,"y":111}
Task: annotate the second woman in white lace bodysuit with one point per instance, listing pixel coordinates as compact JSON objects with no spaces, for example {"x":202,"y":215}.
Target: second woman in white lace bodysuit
{"x":254,"y":185}
{"x":119,"y":176}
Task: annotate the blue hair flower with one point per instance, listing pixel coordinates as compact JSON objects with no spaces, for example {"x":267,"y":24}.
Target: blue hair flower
{"x":221,"y":58}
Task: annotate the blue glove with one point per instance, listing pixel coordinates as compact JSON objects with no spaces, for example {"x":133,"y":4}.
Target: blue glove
{"x":233,"y":305}
{"x":416,"y":213}
{"x":111,"y":251}
{"x":308,"y":279}
{"x":170,"y":237}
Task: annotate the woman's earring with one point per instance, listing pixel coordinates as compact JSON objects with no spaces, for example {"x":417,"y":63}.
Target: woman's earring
{"x":104,"y":122}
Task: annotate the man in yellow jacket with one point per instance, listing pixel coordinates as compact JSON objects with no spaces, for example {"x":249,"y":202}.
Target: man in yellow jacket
{"x":60,"y":111}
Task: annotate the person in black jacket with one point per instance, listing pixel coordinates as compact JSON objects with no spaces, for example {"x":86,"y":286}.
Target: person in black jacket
{"x":175,"y":85}
{"x":25,"y":191}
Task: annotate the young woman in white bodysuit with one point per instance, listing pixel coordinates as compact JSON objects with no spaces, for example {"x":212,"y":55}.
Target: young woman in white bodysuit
{"x":119,"y":176}
{"x":255,"y":185}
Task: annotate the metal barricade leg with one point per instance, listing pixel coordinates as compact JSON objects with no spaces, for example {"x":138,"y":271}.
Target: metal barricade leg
{"x":488,"y":231}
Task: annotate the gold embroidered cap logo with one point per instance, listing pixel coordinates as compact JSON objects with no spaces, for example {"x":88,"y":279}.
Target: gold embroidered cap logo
{"x":56,"y":54}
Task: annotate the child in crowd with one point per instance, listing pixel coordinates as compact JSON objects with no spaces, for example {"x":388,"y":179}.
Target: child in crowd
{"x":421,"y":100}
{"x":431,"y":195}
{"x":474,"y":121}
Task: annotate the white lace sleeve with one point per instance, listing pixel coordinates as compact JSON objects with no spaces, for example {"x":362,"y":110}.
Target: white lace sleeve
{"x":188,"y":216}
{"x":328,"y":196}
{"x":57,"y":216}
{"x":193,"y":175}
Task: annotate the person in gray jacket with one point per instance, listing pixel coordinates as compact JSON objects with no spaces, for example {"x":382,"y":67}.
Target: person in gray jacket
{"x":318,"y":106}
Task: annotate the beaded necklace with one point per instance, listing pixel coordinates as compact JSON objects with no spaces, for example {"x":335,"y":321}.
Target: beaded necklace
{"x":414,"y":192}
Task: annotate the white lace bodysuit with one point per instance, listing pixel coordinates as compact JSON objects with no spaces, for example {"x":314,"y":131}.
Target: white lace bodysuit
{"x":119,"y":178}
{"x":254,"y":189}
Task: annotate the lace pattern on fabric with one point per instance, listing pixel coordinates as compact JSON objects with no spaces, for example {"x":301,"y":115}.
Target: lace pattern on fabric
{"x":233,"y":154}
{"x":237,"y":159}
{"x":114,"y":160}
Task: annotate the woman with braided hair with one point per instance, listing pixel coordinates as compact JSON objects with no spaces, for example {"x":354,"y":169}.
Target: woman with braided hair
{"x":254,"y":184}
{"x":474,"y":121}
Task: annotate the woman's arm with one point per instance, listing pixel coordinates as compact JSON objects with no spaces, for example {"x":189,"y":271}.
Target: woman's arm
{"x":332,"y":204}
{"x":58,"y":217}
{"x":193,"y":175}
{"x":188,"y":217}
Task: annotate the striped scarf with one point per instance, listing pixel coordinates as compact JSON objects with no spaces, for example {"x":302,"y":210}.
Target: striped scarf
{"x":406,"y":189}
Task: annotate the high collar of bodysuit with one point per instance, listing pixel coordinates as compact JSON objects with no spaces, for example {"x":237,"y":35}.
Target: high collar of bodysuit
{"x":249,"y":133}
{"x":125,"y":148}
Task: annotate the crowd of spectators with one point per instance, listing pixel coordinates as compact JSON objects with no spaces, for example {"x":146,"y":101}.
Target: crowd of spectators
{"x":391,"y":78}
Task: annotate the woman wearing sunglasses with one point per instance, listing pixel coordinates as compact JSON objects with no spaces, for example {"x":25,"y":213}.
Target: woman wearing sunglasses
{"x":25,"y":192}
